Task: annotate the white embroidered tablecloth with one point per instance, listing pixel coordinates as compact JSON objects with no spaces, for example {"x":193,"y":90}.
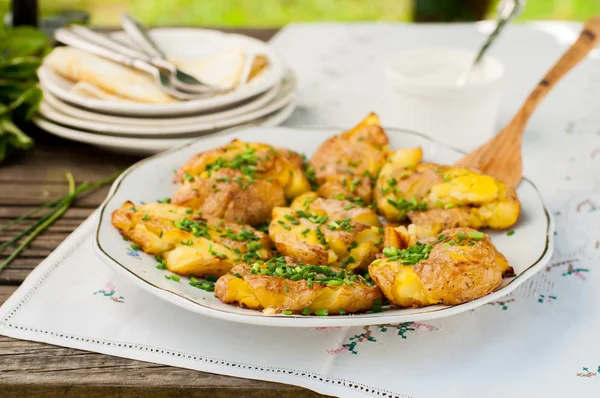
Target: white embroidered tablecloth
{"x":541,"y":341}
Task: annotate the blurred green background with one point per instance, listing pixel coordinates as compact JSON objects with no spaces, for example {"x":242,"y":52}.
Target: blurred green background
{"x":281,"y":12}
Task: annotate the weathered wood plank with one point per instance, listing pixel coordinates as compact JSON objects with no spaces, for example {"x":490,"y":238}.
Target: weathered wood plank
{"x":5,"y":292}
{"x":15,"y":276}
{"x":8,"y":213}
{"x":52,"y":157}
{"x":43,"y":370}
{"x":14,"y":193}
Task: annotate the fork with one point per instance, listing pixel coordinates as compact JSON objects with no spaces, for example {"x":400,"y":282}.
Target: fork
{"x":114,"y":45}
{"x":68,"y":37}
{"x":139,"y":35}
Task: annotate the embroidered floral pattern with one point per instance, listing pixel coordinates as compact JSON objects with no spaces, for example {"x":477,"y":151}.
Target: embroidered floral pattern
{"x":502,"y":304}
{"x":546,"y":299}
{"x":402,"y":329}
{"x":589,"y":374}
{"x":110,"y":292}
{"x":571,"y":270}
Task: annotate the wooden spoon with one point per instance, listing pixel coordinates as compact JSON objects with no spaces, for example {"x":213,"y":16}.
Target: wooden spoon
{"x":501,"y":156}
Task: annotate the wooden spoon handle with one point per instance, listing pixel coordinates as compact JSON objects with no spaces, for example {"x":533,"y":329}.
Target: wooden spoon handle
{"x":588,"y":38}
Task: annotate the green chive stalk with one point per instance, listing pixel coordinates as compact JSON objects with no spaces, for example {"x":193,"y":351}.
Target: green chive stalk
{"x":44,"y":225}
{"x":58,"y":208}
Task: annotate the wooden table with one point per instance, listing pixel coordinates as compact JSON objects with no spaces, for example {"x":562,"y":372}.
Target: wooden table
{"x":30,"y":369}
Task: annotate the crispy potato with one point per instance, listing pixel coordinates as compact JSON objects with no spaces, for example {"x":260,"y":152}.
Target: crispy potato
{"x":241,"y":181}
{"x":326,"y":232}
{"x":189,"y":243}
{"x":348,"y":164}
{"x":249,"y":287}
{"x":461,"y":265}
{"x":436,"y":197}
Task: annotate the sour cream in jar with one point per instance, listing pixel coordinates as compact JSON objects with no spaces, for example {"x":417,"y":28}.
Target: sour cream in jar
{"x":426,"y":95}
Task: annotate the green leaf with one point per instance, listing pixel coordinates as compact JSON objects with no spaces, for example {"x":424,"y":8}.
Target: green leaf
{"x":22,"y":41}
{"x":3,"y":146}
{"x":14,"y":135}
{"x":20,"y":68}
{"x":28,"y":101}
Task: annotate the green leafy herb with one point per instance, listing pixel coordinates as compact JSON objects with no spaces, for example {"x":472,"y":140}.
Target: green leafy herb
{"x":22,"y":49}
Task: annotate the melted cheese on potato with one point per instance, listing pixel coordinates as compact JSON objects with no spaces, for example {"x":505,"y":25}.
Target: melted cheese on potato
{"x":462,"y":265}
{"x":274,"y":294}
{"x":435,"y":197}
{"x":190,"y":244}
{"x":326,"y":232}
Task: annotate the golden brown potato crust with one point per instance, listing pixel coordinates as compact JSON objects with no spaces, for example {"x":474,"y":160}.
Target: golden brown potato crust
{"x":274,"y":294}
{"x":436,"y":197}
{"x":456,"y":271}
{"x":241,"y":181}
{"x":348,"y":164}
{"x":326,"y":232}
{"x":189,"y":243}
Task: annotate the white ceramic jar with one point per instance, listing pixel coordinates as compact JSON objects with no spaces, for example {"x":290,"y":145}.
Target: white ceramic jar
{"x":427,"y":97}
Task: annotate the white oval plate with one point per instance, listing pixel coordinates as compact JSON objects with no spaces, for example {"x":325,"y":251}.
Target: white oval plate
{"x":282,"y":98}
{"x":181,"y":43}
{"x":151,"y":179}
{"x":145,"y":146}
{"x":82,"y":114}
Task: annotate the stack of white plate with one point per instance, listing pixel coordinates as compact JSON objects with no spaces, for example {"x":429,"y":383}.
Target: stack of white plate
{"x":140,"y":128}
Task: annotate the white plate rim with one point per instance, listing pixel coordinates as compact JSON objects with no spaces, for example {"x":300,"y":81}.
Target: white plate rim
{"x":73,"y":111}
{"x":275,"y":71}
{"x":315,"y":321}
{"x":143,"y":143}
{"x":187,"y":129}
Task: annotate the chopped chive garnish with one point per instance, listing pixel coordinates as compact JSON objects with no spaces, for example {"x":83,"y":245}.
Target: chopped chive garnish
{"x":306,"y":312}
{"x":322,"y":312}
{"x":476,"y":235}
{"x":287,"y":312}
{"x":511,"y":232}
{"x":135,"y":247}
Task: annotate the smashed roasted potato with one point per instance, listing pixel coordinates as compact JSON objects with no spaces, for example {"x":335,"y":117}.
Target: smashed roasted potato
{"x":459,"y":265}
{"x":436,"y":197}
{"x":348,"y":164}
{"x":321,"y":231}
{"x":241,"y":181}
{"x":189,"y":243}
{"x":284,"y":285}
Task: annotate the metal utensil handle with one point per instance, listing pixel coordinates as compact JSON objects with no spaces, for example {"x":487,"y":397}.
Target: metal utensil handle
{"x":139,"y":35}
{"x":503,"y":19}
{"x":107,"y":42}
{"x":69,"y":38}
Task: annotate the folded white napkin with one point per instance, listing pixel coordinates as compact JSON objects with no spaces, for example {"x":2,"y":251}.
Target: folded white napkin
{"x":100,"y":78}
{"x":540,"y":341}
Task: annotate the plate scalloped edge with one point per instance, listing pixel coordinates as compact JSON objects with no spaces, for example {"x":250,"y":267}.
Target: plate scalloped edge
{"x":258,"y":318}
